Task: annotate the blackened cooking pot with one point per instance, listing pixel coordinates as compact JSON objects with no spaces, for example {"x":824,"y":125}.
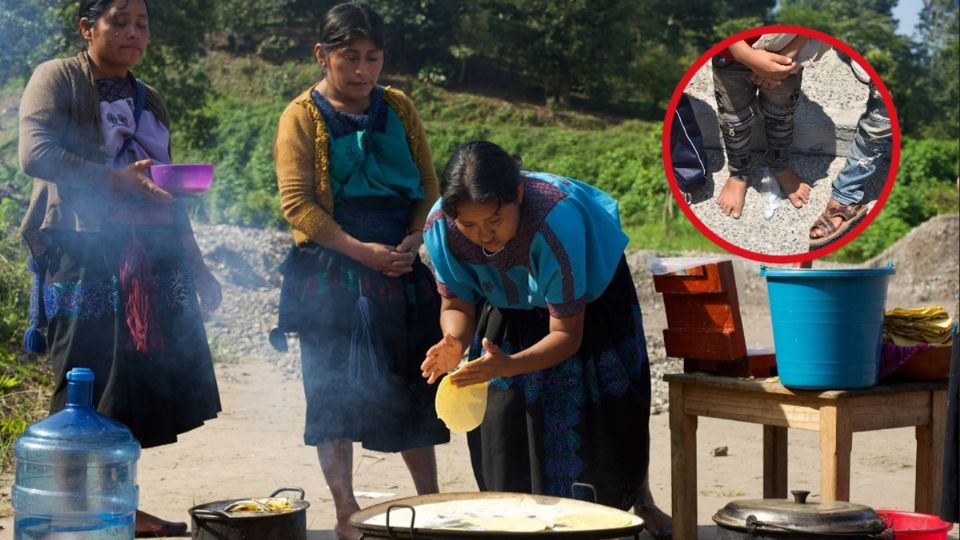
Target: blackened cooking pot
{"x":211,"y":521}
{"x":782,"y":519}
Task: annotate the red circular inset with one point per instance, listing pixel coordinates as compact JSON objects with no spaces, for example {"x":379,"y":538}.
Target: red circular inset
{"x":894,"y":146}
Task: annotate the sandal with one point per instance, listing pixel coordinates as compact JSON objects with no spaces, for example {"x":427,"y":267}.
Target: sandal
{"x":849,"y":215}
{"x":150,"y":526}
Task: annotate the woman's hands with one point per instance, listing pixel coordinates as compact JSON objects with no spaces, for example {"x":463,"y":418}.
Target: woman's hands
{"x":495,"y":363}
{"x":445,"y":355}
{"x":411,"y":243}
{"x":441,"y":358}
{"x":386,"y":259}
{"x":389,"y":260}
{"x":133,"y":179}
{"x":408,"y":248}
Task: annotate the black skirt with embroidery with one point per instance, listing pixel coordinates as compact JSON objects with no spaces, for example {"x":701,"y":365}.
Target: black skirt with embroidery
{"x":584,"y":420}
{"x":363,"y":336}
{"x":158,"y":395}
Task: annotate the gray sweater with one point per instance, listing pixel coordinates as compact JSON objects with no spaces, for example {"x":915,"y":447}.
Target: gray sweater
{"x":62,"y":148}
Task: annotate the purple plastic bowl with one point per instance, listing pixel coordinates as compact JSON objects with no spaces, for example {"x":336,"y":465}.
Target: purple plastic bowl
{"x":183,"y":179}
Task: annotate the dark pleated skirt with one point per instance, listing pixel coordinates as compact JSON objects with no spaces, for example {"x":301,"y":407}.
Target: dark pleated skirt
{"x":157,"y":395}
{"x":365,"y":338}
{"x":584,"y":420}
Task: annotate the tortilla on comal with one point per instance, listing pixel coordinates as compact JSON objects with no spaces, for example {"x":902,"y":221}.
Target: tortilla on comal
{"x":461,"y":407}
{"x":513,"y":524}
{"x":588,"y":521}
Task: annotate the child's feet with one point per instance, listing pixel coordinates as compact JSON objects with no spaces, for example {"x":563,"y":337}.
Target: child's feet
{"x":793,"y":186}
{"x":731,"y":197}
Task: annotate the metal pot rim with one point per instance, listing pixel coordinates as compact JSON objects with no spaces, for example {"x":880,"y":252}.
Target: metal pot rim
{"x":781,"y":516}
{"x":214,"y":510}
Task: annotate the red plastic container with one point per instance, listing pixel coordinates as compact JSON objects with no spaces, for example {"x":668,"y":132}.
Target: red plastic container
{"x":914,"y":526}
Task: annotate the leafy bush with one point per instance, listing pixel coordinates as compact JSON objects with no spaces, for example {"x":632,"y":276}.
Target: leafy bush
{"x":24,"y":384}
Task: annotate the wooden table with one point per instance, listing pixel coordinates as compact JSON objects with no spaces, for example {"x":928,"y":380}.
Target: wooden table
{"x":836,"y":414}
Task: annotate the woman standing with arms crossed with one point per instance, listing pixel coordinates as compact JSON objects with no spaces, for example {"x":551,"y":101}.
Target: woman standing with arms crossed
{"x":117,"y":267}
{"x":356,"y":181}
{"x":558,"y":331}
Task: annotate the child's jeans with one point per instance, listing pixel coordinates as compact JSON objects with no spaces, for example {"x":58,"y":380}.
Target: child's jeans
{"x":871,"y":143}
{"x":738,"y":101}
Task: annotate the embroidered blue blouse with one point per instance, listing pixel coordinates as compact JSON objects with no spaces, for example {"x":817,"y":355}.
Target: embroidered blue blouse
{"x":567,"y":247}
{"x":369,"y":154}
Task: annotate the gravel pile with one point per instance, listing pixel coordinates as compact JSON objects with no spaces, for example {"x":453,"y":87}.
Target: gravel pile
{"x":246,"y":260}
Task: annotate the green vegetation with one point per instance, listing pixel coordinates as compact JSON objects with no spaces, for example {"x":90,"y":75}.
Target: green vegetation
{"x":24,"y":381}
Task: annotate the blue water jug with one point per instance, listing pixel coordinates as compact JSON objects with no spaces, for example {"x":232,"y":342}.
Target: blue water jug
{"x":76,"y":474}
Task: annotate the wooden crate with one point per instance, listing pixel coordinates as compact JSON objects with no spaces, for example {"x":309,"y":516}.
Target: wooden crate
{"x":703,"y":322}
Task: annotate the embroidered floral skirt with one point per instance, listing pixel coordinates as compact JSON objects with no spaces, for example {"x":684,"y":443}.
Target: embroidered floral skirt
{"x":157,"y":395}
{"x":584,"y":420}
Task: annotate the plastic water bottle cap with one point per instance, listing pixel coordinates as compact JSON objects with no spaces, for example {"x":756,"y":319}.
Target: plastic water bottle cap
{"x":80,"y":374}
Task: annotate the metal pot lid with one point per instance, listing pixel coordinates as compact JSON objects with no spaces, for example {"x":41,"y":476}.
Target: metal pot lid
{"x":799,"y":516}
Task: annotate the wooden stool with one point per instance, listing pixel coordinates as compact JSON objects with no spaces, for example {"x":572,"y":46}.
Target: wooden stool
{"x":703,"y":322}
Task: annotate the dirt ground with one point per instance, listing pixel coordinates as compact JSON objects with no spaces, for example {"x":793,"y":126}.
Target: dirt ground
{"x":256,"y":446}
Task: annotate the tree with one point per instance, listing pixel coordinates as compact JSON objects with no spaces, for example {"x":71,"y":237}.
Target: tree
{"x":32,"y":31}
{"x":869,"y":27}
{"x":940,"y":32}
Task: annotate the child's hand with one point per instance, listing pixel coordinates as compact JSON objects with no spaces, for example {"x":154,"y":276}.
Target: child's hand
{"x":766,"y":84}
{"x":766,"y":64}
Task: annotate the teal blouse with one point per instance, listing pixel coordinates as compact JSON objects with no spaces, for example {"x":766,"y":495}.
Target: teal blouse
{"x":566,"y":250}
{"x":369,"y":154}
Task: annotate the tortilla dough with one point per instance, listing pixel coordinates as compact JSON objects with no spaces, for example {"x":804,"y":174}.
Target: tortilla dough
{"x":588,"y":521}
{"x":461,"y":407}
{"x":507,"y":524}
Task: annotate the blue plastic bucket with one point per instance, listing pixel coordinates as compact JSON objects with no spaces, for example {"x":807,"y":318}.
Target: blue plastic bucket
{"x":827,"y":325}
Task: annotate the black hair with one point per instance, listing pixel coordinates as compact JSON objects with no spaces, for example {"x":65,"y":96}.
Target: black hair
{"x":347,"y":22}
{"x":91,"y":10}
{"x":479,"y":171}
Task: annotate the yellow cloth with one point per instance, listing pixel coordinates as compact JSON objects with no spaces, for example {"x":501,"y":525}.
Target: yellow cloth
{"x":910,"y":326}
{"x":300,"y":152}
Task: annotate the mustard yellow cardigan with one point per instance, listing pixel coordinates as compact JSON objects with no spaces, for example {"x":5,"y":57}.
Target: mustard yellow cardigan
{"x":301,"y":153}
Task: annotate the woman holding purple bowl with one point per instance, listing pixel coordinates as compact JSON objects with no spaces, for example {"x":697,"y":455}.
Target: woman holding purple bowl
{"x":117,"y":269}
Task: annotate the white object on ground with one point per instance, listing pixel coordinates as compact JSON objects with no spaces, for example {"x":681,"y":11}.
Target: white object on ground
{"x":770,"y":190}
